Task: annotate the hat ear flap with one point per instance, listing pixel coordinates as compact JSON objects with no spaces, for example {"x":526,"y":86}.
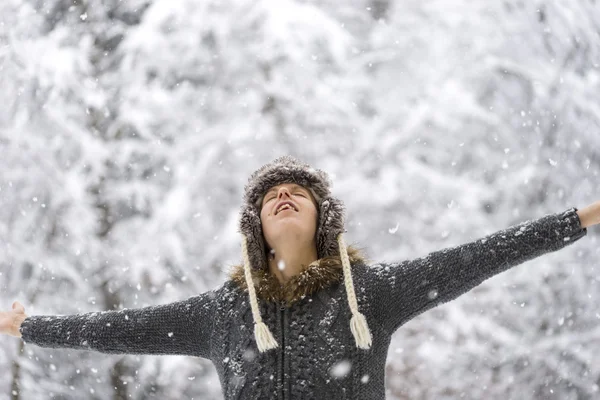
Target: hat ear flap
{"x":251,"y":228}
{"x":331,"y":224}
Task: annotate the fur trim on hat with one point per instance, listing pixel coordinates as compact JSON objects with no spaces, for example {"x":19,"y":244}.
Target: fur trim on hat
{"x":287,"y":169}
{"x":317,"y":276}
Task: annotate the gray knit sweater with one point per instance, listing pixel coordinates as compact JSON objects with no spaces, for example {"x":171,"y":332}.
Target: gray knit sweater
{"x":317,"y":357}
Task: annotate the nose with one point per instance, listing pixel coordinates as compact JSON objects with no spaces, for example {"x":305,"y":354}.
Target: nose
{"x":281,"y":191}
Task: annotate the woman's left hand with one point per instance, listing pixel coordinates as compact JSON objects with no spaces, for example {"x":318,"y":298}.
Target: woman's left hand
{"x":589,"y":215}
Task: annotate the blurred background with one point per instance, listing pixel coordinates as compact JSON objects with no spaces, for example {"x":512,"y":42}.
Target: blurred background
{"x":128,"y":129}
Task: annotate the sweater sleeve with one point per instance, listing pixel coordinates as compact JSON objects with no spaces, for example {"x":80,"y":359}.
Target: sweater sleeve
{"x":404,"y":290}
{"x":179,"y":328}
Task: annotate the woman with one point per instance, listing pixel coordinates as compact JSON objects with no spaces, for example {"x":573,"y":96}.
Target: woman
{"x":303,"y":303}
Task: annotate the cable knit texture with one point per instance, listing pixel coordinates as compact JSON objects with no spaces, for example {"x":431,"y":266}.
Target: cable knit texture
{"x":317,"y":357}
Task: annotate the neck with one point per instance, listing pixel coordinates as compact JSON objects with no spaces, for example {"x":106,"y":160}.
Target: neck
{"x":289,"y":261}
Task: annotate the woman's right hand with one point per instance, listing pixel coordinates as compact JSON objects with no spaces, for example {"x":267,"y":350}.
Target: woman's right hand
{"x":10,"y":321}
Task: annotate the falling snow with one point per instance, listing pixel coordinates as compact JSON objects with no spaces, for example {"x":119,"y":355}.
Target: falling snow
{"x":128,"y":131}
{"x":341,"y":369}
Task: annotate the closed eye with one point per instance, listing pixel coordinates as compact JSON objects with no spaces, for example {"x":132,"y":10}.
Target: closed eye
{"x":269,"y":198}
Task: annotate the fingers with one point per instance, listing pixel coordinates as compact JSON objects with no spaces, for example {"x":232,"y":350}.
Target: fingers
{"x":18,"y":307}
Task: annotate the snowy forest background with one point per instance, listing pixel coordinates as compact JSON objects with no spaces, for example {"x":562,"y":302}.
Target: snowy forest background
{"x":129,"y":127}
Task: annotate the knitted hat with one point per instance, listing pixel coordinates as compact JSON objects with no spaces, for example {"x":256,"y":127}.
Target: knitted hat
{"x":330,"y":241}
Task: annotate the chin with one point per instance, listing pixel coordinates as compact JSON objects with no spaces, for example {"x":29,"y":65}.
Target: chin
{"x":292,"y":232}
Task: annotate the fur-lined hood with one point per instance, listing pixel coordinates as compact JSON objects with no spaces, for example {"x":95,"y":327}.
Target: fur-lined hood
{"x":316,"y":276}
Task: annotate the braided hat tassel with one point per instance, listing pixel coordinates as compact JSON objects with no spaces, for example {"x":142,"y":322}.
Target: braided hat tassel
{"x":264,"y":338}
{"x":358,"y":322}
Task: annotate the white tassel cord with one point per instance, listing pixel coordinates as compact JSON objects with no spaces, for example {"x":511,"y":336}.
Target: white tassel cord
{"x":358,"y":323}
{"x":264,"y":339}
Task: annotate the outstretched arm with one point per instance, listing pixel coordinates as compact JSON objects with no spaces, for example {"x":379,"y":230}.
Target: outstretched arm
{"x":183,"y":327}
{"x":407,"y":289}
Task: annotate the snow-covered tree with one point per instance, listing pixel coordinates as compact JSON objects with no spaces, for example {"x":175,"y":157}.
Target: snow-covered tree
{"x":129,"y":128}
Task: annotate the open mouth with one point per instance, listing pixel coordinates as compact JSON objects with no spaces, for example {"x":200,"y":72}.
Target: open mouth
{"x":286,"y":206}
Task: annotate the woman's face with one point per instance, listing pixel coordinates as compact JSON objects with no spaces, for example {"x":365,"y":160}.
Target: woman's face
{"x":297,"y":224}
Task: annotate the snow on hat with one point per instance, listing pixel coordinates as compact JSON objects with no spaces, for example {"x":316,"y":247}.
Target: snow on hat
{"x":330,"y":241}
